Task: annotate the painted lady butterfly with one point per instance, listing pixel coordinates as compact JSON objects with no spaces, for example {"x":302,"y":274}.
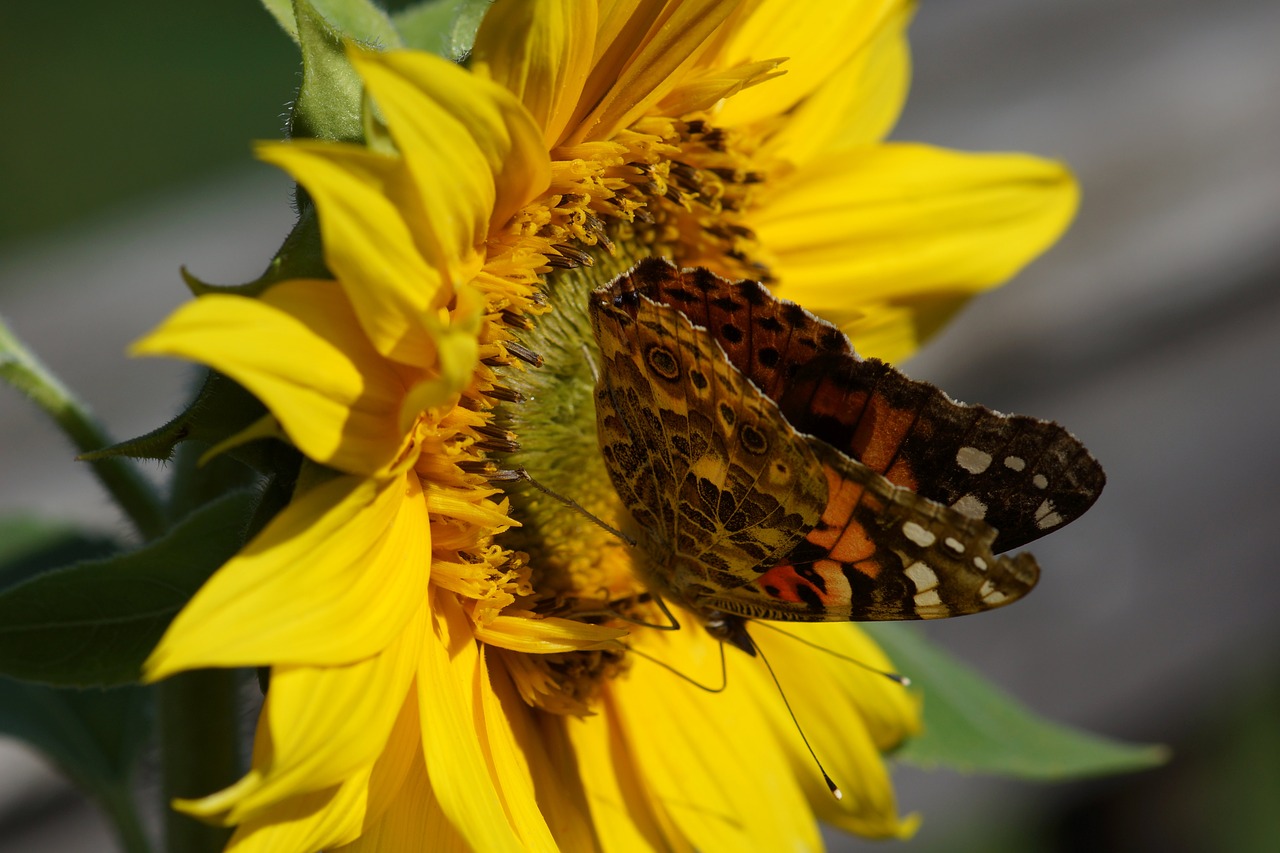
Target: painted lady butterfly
{"x":772,"y":473}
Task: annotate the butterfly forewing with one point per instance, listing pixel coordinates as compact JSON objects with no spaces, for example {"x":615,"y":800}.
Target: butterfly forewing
{"x":713,"y":475}
{"x":1024,"y":476}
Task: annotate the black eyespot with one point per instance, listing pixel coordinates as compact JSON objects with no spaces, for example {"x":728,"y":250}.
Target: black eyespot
{"x":731,"y":333}
{"x":662,"y":362}
{"x":698,"y":379}
{"x":753,"y":440}
{"x":768,"y":356}
{"x":727,"y":414}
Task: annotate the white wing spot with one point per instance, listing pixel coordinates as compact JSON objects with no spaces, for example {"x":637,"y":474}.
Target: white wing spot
{"x":1047,"y":516}
{"x":954,"y":544}
{"x":1015,"y":463}
{"x":929,"y":605}
{"x":970,"y":505}
{"x":922,"y":576}
{"x":918,"y":534}
{"x":973,"y":460}
{"x":994,"y":598}
{"x":1040,"y":481}
{"x":980,"y":563}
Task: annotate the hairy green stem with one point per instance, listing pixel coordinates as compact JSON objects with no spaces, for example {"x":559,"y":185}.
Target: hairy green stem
{"x":199,"y":745}
{"x":23,"y":370}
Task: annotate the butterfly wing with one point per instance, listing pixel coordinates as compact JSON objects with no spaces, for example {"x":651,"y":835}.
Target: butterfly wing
{"x":743,"y":514}
{"x":881,"y":552}
{"x":1024,"y":476}
{"x":712,"y":474}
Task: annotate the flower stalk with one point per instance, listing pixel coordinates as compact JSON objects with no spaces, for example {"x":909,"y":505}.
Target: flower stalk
{"x":200,"y":749}
{"x":22,"y":369}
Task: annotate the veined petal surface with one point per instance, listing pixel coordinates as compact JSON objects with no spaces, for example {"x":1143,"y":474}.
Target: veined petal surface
{"x":900,"y":220}
{"x":333,"y":579}
{"x":541,"y":53}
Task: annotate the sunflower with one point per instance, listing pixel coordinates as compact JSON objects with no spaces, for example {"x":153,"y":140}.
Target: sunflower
{"x":443,"y":671}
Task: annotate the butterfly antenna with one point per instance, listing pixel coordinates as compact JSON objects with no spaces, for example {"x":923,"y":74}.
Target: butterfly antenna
{"x":892,"y":676}
{"x":572,"y":504}
{"x":836,"y":792}
{"x":724,"y":672}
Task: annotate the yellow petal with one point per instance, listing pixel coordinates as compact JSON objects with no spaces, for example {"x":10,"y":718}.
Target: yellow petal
{"x":541,"y":52}
{"x":817,"y":39}
{"x":703,"y":90}
{"x":330,"y":722}
{"x":325,"y":819}
{"x":892,"y":331}
{"x":413,"y":822}
{"x":620,"y":803}
{"x":848,"y":714}
{"x":300,"y":351}
{"x":545,"y":635}
{"x":542,"y":741}
{"x":633,"y":81}
{"x":474,"y":152}
{"x":368,"y":244}
{"x":334,"y":578}
{"x":509,"y":765}
{"x":858,"y":104}
{"x":693,"y":746}
{"x":900,"y":220}
{"x":458,"y":771}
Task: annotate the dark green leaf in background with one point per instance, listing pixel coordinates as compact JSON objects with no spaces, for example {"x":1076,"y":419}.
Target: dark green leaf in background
{"x":93,"y":736}
{"x":94,"y":623}
{"x":970,"y":725}
{"x":30,"y":546}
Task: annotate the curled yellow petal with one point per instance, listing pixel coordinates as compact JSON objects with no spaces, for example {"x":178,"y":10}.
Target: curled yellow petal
{"x":298,"y":349}
{"x":368,"y":244}
{"x":475,"y":153}
{"x":545,"y":635}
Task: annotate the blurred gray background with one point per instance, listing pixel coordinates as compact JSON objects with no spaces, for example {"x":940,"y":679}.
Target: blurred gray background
{"x":1152,"y":331}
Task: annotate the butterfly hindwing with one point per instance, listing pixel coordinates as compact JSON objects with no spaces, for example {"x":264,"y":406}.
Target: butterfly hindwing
{"x":882,"y":552}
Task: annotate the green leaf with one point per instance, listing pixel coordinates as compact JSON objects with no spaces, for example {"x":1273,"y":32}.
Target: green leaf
{"x":93,"y":736}
{"x":971,"y":725}
{"x":30,"y":546}
{"x":93,"y":624}
{"x":220,"y":409}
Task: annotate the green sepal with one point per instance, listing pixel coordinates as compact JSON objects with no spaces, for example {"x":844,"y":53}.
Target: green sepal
{"x":93,"y":624}
{"x":221,"y":408}
{"x":93,"y":736}
{"x":282,"y":11}
{"x":328,"y":105}
{"x":972,"y":726}
{"x":444,"y":27}
{"x":357,"y":19}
